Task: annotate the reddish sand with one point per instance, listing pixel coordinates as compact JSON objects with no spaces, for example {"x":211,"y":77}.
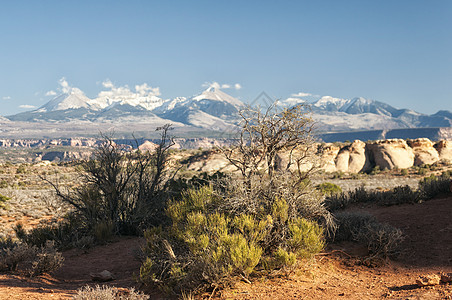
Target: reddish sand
{"x":336,"y":274}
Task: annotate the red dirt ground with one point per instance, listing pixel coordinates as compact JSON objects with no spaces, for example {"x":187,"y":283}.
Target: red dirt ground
{"x":332,"y":275}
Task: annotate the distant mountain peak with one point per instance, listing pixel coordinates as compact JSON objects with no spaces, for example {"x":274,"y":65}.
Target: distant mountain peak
{"x":215,"y":94}
{"x":73,"y":99}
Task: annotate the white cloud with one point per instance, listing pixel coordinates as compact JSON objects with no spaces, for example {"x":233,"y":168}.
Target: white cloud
{"x":51,"y":93}
{"x":145,"y":89}
{"x":301,"y":94}
{"x":220,"y":86}
{"x":64,"y":85}
{"x":108,"y":84}
{"x":294,"y":101}
{"x":6,"y":98}
{"x":27,"y":106}
{"x":124,"y":92}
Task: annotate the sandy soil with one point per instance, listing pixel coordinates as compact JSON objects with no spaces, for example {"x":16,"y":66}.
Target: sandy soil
{"x":336,"y":274}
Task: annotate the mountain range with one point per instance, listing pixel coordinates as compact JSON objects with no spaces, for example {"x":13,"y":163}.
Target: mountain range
{"x":215,"y":110}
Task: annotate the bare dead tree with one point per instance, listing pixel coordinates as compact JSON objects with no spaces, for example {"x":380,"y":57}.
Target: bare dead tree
{"x":275,"y":158}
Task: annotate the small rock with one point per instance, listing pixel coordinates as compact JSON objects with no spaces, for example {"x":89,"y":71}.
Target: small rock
{"x":428,"y":280}
{"x":102,"y":276}
{"x":446,"y":277}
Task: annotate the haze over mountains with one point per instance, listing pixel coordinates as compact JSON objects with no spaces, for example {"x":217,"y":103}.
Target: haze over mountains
{"x":214,"y":110}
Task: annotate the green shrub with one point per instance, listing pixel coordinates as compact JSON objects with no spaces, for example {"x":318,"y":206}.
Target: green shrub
{"x":328,"y":188}
{"x":3,"y":200}
{"x":376,"y":170}
{"x":205,"y":245}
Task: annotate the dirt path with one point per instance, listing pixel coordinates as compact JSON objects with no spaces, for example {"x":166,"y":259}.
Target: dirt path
{"x":428,"y":250}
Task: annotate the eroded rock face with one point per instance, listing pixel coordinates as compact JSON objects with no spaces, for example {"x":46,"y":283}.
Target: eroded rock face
{"x":424,"y":153}
{"x":353,"y":158}
{"x":444,"y":149}
{"x":328,"y":156}
{"x":390,"y":154}
{"x":214,"y":162}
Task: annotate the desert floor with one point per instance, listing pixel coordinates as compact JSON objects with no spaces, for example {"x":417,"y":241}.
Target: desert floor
{"x":338,"y":273}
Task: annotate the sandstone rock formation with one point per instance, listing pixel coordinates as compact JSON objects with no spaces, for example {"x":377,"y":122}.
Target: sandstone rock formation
{"x":424,"y":153}
{"x":328,"y":154}
{"x":444,"y":149}
{"x":353,"y":158}
{"x":390,"y":154}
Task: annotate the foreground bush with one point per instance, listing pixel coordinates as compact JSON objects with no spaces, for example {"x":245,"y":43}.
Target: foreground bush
{"x":207,"y":247}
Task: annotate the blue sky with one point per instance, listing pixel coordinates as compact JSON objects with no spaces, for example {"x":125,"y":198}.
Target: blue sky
{"x":398,"y":52}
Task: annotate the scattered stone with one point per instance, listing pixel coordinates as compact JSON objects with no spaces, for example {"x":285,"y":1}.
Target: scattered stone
{"x":102,"y":276}
{"x":428,"y":280}
{"x":446,"y":277}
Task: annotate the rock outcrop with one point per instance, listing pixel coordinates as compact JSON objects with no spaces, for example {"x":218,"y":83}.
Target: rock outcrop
{"x":424,"y":153}
{"x":328,"y":154}
{"x":353,"y":158}
{"x":390,"y":154}
{"x":444,"y":149}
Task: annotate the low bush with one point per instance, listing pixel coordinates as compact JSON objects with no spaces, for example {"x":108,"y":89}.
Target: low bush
{"x":433,"y":186}
{"x":47,"y":260}
{"x":12,"y":253}
{"x":65,"y":233}
{"x":206,"y":247}
{"x":382,"y":240}
{"x":108,"y":293}
{"x":35,"y":260}
{"x":329,"y":189}
{"x":396,"y":196}
{"x":3,"y":200}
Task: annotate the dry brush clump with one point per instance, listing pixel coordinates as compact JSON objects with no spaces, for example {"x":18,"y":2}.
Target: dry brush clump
{"x":34,"y":260}
{"x":121,"y":191}
{"x":382,"y":240}
{"x":108,"y":293}
{"x":428,"y":188}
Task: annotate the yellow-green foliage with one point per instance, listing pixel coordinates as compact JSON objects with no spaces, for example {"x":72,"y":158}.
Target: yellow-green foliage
{"x":280,"y":210}
{"x":3,"y":199}
{"x":328,"y":188}
{"x":205,"y":245}
{"x":306,"y":237}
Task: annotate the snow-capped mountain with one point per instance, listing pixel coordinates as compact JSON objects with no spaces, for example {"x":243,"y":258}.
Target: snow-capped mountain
{"x":73,"y":99}
{"x":215,"y":110}
{"x":335,"y":114}
{"x":212,"y":109}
